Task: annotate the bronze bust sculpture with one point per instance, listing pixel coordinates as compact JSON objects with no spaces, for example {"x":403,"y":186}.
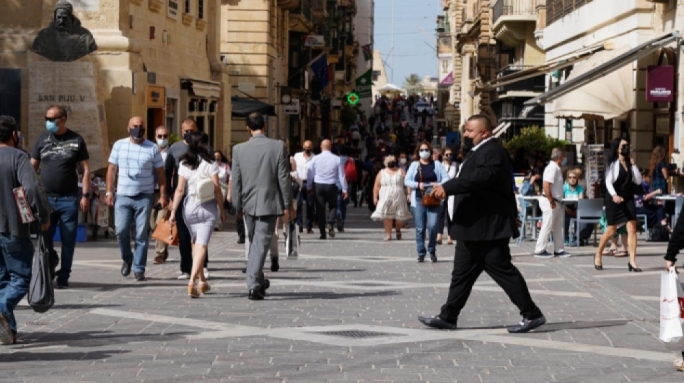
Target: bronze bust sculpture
{"x":64,"y":39}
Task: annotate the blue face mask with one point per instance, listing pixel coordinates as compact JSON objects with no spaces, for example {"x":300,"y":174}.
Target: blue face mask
{"x":51,"y":126}
{"x":565,"y":161}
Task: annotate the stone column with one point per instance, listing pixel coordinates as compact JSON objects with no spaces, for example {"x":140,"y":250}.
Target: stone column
{"x":467,"y":100}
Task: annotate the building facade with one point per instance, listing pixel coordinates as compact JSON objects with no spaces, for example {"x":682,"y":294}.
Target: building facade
{"x":155,"y":59}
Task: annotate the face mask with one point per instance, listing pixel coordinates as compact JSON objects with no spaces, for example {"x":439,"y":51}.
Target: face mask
{"x":163,"y":143}
{"x":51,"y":126}
{"x":187,"y":136}
{"x":137,"y":133}
{"x":402,"y":161}
{"x":391,"y":164}
{"x":447,"y":157}
{"x":564,"y":162}
{"x":424,"y":155}
{"x":307,"y":151}
{"x":468,"y":144}
{"x":625,"y":151}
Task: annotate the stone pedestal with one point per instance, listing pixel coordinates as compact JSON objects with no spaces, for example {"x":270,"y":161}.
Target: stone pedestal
{"x":73,"y":85}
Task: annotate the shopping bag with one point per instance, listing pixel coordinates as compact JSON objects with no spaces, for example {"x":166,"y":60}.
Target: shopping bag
{"x":165,"y":232}
{"x":671,"y":307}
{"x":41,"y":295}
{"x":292,"y":240}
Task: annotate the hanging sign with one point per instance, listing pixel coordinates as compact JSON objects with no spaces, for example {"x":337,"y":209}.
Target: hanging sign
{"x":660,"y":83}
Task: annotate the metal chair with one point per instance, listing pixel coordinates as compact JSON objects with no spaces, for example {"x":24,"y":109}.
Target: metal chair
{"x":525,"y":218}
{"x":644,"y":217}
{"x":588,"y":211}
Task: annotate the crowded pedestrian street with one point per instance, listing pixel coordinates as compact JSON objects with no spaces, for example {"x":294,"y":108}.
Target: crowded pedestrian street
{"x":343,"y":311}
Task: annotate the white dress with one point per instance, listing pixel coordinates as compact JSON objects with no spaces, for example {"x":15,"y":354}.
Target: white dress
{"x":392,"y":199}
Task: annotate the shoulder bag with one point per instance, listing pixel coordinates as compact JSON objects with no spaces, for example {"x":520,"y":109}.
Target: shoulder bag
{"x":427,"y":200}
{"x":41,"y":295}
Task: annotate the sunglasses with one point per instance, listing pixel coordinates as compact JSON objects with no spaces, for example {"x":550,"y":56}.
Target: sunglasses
{"x":572,"y":178}
{"x":162,"y":136}
{"x":425,"y":150}
{"x":52,"y":119}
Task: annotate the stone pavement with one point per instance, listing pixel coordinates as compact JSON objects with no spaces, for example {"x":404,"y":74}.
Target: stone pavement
{"x":345,"y":311}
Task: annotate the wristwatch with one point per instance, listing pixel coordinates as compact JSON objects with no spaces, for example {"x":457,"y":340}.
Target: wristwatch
{"x":107,"y":194}
{"x":87,"y":195}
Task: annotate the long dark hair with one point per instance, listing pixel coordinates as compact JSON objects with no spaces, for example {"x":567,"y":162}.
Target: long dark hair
{"x":198,"y":149}
{"x":613,"y":154}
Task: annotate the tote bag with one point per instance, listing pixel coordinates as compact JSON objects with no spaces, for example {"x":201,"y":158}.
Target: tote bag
{"x":671,"y":307}
{"x":41,"y":295}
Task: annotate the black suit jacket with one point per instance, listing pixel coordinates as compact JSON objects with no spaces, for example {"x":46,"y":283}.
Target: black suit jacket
{"x":484,"y":203}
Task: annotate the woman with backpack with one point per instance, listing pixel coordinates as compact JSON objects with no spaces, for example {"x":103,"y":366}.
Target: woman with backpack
{"x":198,"y":173}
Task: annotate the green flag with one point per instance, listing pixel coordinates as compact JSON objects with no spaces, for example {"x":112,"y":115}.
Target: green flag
{"x":364,"y":84}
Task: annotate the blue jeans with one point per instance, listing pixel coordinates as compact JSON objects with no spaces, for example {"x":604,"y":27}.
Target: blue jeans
{"x":341,"y":209}
{"x":16,"y":255}
{"x":426,"y":219}
{"x":64,"y":214}
{"x":133,"y":210}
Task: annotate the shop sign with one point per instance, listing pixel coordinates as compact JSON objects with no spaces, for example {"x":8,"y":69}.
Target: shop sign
{"x":156,"y":97}
{"x":292,"y":107}
{"x":314,"y":41}
{"x":660,"y":83}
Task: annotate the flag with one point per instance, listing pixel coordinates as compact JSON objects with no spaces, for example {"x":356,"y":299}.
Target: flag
{"x":319,"y":67}
{"x":364,"y":84}
{"x":367,"y":52}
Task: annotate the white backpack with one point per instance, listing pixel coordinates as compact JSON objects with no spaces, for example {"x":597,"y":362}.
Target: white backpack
{"x":204,"y":186}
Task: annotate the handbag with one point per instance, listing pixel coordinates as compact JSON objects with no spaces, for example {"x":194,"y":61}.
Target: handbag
{"x":41,"y":294}
{"x":427,"y":200}
{"x":166,"y":232}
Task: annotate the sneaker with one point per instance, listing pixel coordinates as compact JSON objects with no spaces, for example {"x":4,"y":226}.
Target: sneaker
{"x":206,"y":273}
{"x":6,"y":335}
{"x":421,"y":259}
{"x":433,"y":257}
{"x":184,"y":276}
{"x":331,"y":230}
{"x":543,"y":255}
{"x":562,"y":254}
{"x":679,"y":364}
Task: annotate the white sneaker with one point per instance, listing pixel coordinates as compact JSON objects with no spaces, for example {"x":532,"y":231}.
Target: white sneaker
{"x":206,"y":273}
{"x":184,"y":276}
{"x":679,"y":364}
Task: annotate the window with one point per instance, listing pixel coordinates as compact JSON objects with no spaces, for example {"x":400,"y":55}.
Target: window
{"x":200,"y":9}
{"x":187,"y":6}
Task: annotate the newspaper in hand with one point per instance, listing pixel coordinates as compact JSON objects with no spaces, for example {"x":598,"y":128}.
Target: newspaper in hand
{"x":23,"y":205}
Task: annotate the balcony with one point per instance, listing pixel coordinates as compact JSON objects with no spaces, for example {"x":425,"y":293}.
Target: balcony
{"x":531,"y":85}
{"x":511,"y":18}
{"x":440,"y":25}
{"x":302,"y":15}
{"x":319,"y":9}
{"x":557,"y":9}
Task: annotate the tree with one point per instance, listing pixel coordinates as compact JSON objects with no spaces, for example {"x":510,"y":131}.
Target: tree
{"x":534,"y":139}
{"x":412,"y":84}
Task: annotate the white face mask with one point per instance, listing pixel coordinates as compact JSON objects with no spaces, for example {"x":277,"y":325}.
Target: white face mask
{"x":424,"y":155}
{"x":163,"y":143}
{"x":402,"y":161}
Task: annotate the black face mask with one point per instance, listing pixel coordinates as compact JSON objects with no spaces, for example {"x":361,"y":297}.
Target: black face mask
{"x":448,"y":157}
{"x":625,"y":151}
{"x":187,"y":136}
{"x":307,"y":151}
{"x":137,"y":133}
{"x":391,"y":164}
{"x":468,"y":144}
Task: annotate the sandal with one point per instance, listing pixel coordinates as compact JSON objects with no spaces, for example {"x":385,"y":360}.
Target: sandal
{"x":192,"y":290}
{"x":398,"y":235}
{"x":203,"y":287}
{"x":620,"y":253}
{"x":388,"y":238}
{"x":609,"y":252}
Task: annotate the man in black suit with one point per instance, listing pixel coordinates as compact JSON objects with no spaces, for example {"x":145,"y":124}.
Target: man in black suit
{"x":484,"y":218}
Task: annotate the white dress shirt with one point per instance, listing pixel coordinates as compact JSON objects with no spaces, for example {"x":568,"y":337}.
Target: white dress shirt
{"x":302,"y":164}
{"x":326,"y":168}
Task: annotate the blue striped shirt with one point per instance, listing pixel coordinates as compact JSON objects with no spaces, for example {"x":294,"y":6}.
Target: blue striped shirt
{"x":137,"y":166}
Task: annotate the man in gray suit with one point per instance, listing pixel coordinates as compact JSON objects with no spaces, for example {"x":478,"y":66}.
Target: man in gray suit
{"x":262,"y":192}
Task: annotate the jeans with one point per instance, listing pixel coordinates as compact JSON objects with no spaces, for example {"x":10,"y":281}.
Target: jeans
{"x":426,"y":219}
{"x":341,"y":210}
{"x":304,"y":197}
{"x":16,"y":256}
{"x":64,"y":214}
{"x":133,"y":211}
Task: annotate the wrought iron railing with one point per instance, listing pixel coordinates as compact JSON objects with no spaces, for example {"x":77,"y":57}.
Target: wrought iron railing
{"x":557,"y":9}
{"x":514,"y":7}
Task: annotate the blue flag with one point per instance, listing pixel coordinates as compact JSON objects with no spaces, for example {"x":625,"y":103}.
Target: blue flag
{"x":320,"y":71}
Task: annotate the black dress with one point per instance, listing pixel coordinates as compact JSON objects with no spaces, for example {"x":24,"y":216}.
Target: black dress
{"x":617,"y":214}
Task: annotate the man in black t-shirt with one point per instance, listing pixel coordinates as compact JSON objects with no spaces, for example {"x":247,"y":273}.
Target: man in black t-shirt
{"x":58,"y":152}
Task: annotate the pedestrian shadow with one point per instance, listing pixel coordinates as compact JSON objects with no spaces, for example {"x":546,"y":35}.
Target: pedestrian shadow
{"x":560,"y":326}
{"x":72,"y":306}
{"x":111,"y":286}
{"x":327,"y":295}
{"x":305,"y":270}
{"x":22,"y":356}
{"x":91,"y":339}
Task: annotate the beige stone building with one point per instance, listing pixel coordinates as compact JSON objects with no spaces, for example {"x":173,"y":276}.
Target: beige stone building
{"x":156,"y":59}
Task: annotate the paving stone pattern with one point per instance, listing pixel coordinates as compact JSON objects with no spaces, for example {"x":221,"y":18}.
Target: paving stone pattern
{"x":345,"y":311}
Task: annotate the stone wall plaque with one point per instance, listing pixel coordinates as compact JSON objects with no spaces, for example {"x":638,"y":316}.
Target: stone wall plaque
{"x":73,"y":85}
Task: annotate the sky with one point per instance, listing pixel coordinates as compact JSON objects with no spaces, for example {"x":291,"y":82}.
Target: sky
{"x":414,"y":51}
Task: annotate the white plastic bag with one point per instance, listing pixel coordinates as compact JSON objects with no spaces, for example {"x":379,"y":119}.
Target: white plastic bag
{"x":671,"y":307}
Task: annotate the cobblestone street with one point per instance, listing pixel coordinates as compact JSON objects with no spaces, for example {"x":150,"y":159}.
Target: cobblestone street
{"x":345,"y":311}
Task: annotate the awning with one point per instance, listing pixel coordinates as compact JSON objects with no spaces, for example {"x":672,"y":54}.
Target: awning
{"x":243,"y":107}
{"x":503,"y":130}
{"x":204,"y":88}
{"x":608,"y":97}
{"x":602,"y":70}
{"x":390,"y":88}
{"x":553,"y":65}
{"x":499,"y":127}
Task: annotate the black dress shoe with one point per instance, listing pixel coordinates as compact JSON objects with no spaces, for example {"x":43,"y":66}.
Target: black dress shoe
{"x":264,"y":287}
{"x":255,"y":295}
{"x":275,"y":266}
{"x":244,"y":271}
{"x":241,"y":241}
{"x":527,"y":325}
{"x":126,"y":269}
{"x":437,"y":322}
{"x":433,"y":257}
{"x":60,"y":284}
{"x":140,"y":277}
{"x":309,"y":231}
{"x":301,"y":229}
{"x":323,"y":236}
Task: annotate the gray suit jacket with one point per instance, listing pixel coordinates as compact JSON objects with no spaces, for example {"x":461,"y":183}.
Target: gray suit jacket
{"x":261,"y":177}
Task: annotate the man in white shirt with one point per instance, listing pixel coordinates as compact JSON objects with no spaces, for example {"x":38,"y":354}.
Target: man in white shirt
{"x":552,"y":208}
{"x":161,"y":249}
{"x":302,"y":160}
{"x":326,"y":172}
